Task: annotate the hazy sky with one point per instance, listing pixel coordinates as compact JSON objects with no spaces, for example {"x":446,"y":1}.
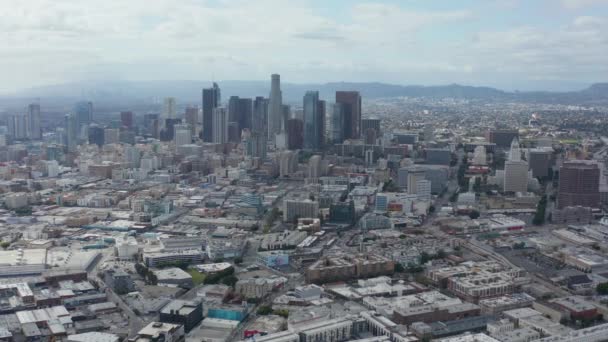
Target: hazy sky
{"x":504,"y":43}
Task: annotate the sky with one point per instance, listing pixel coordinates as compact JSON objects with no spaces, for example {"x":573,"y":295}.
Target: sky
{"x":509,"y":44}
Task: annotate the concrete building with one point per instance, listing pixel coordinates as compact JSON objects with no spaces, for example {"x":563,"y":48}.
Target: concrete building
{"x":119,"y":281}
{"x":516,"y":171}
{"x":187,"y":313}
{"x":111,"y":136}
{"x":158,"y":331}
{"x":502,"y":137}
{"x":275,"y":107}
{"x":258,"y":287}
{"x":293,"y":209}
{"x":220,"y":126}
{"x":346,"y":267}
{"x":579,"y":184}
{"x":159,"y":258}
{"x":540,"y":161}
{"x":438,"y":156}
{"x":174,"y":277}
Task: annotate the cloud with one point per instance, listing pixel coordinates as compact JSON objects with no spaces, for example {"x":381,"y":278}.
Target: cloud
{"x":578,"y":4}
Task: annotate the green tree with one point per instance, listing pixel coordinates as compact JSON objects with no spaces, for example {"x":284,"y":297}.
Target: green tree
{"x":264,"y":310}
{"x":474,"y":214}
{"x":5,"y":244}
{"x":602,"y":288}
{"x":229,"y":280}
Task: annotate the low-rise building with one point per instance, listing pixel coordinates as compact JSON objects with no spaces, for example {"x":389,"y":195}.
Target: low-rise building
{"x":187,"y":313}
{"x":158,"y":331}
{"x":174,"y":277}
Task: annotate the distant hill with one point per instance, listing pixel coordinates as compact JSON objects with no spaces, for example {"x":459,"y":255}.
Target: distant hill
{"x":189,"y":92}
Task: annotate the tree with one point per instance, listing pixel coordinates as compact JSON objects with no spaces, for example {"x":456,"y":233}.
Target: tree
{"x":541,"y":207}
{"x":602,"y":288}
{"x":238,"y":260}
{"x":264,"y":310}
{"x":474,"y":214}
{"x":5,"y":244}
{"x":229,"y":280}
{"x":399,"y":268}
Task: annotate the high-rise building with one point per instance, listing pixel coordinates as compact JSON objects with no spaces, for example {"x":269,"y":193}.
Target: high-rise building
{"x":211,"y":100}
{"x":183,"y":135}
{"x":240,"y":110}
{"x":220,"y":126}
{"x":96,"y":135}
{"x":152,"y":124}
{"x":313,"y":120}
{"x":260,"y":116}
{"x":275,"y":107}
{"x":111,"y":136}
{"x":337,"y":124}
{"x":35,"y":130}
{"x":256,"y":145}
{"x":351,"y":105}
{"x":414,"y":175}
{"x":83,"y":114}
{"x":516,"y":170}
{"x":191,"y":118}
{"x":370,"y":129}
{"x":540,"y":160}
{"x":479,"y":155}
{"x":315,"y":167}
{"x":126,"y":119}
{"x":579,"y":184}
{"x":71,"y":132}
{"x":234,"y":134}
{"x":502,"y":137}
{"x":295,"y":134}
{"x":169,"y":108}
{"x":18,"y":126}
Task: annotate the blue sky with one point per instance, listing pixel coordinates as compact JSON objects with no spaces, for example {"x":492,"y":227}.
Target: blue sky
{"x":510,"y":44}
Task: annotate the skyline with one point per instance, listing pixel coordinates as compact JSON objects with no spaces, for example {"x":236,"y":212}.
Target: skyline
{"x":508,"y":44}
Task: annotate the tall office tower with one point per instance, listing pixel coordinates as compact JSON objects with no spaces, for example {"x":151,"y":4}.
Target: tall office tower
{"x":83,"y":114}
{"x":211,"y":100}
{"x":126,"y":136}
{"x":256,"y":145}
{"x":183,"y":135}
{"x":579,"y":184}
{"x":429,"y":133}
{"x":313,"y":121}
{"x":151,"y":124}
{"x":295,"y":134}
{"x":132,"y":156}
{"x":322,"y":110}
{"x":220,"y":126}
{"x":414,"y":175}
{"x":169,"y":108}
{"x":540,"y":160}
{"x":502,"y":137}
{"x":351,"y":105}
{"x":337,"y":124}
{"x":126,"y":119}
{"x":315,"y":167}
{"x":96,"y":135}
{"x":35,"y":129}
{"x":275,"y":107}
{"x":111,"y":136}
{"x":423,"y":189}
{"x":191,"y":118}
{"x":233,"y":108}
{"x":71,"y":132}
{"x":18,"y":126}
{"x":168,"y":132}
{"x":234,"y":135}
{"x":373,"y":123}
{"x":260,"y":115}
{"x":245,"y":114}
{"x":516,"y":170}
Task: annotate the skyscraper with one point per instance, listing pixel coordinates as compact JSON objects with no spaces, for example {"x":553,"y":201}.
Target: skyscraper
{"x":220,"y":126}
{"x":275,"y":107}
{"x":169,"y":108}
{"x":191,"y":117}
{"x":35,"y":130}
{"x":18,"y":126}
{"x":211,"y":100}
{"x":337,"y":124}
{"x":370,"y":130}
{"x":96,"y":135}
{"x":183,"y":135}
{"x":579,"y":184}
{"x":83,"y":114}
{"x":516,"y":170}
{"x":351,"y":105}
{"x":313,"y":121}
{"x":256,"y":145}
{"x":126,"y":119}
{"x":295,"y":134}
{"x":260,"y":115}
{"x":71,"y":131}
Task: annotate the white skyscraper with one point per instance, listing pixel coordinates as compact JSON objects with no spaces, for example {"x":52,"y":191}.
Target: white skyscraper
{"x":516,"y":170}
{"x":169,"y":109}
{"x":183,"y":135}
{"x":275,"y":107}
{"x":479,"y":155}
{"x":220,"y":125}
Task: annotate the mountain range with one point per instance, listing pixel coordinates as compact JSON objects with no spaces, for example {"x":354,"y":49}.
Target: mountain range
{"x":112,"y":93}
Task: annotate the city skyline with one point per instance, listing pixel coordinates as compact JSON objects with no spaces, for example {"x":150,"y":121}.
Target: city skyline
{"x":508,"y":44}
